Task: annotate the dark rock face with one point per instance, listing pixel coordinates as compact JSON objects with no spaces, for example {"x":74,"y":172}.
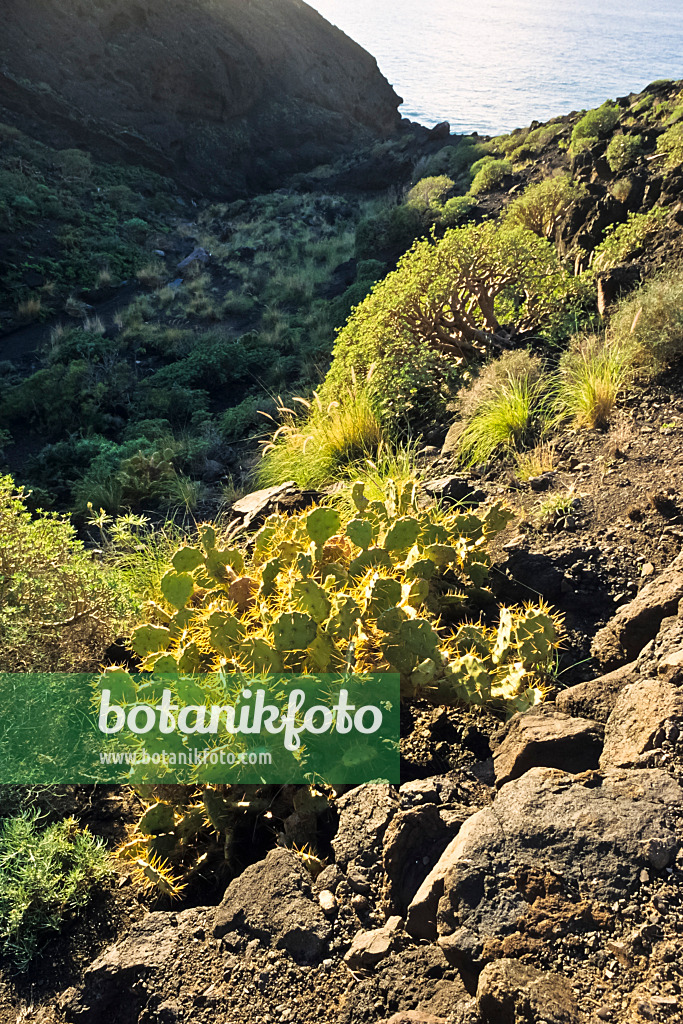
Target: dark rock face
{"x":223,"y":95}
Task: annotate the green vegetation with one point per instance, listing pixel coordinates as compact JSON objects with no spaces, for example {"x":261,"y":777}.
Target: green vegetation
{"x":488,"y":173}
{"x":316,"y":582}
{"x":591,"y":377}
{"x":544,"y":207}
{"x":625,"y":241}
{"x":671,"y":145}
{"x":623,"y":151}
{"x":650,"y":323}
{"x":594,"y":125}
{"x":46,"y":875}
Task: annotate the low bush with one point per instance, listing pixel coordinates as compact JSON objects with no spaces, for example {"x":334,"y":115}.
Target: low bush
{"x":47,"y":874}
{"x":623,"y":151}
{"x":487,"y":174}
{"x":594,"y":125}
{"x":651,"y":322}
{"x":671,"y":144}
{"x":625,"y":241}
{"x":545,"y":206}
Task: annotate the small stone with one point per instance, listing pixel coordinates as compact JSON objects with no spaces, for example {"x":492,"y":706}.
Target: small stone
{"x":328,"y":902}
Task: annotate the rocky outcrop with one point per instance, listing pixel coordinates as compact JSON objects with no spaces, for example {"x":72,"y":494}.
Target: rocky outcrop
{"x":548,"y":738}
{"x":225,"y":95}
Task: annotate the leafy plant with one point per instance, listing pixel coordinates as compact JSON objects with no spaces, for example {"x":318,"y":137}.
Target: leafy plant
{"x":650,"y":323}
{"x":487,"y":174}
{"x":46,"y":875}
{"x":671,"y":145}
{"x":624,"y":241}
{"x":623,"y":151}
{"x":594,"y":125}
{"x":544,"y":207}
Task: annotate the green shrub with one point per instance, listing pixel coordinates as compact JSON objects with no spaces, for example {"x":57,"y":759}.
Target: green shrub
{"x":625,"y":241}
{"x":651,"y":322}
{"x":46,"y":875}
{"x":594,"y":125}
{"x":58,"y":609}
{"x":242,"y":419}
{"x":453,"y":161}
{"x":671,"y":144}
{"x":445,"y":303}
{"x":389,"y":234}
{"x":544,"y":207}
{"x":488,"y":174}
{"x":455,"y":211}
{"x":623,"y":151}
{"x":428,"y":195}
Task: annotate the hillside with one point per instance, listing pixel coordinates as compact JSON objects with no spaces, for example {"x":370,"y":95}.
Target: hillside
{"x":223,"y":95}
{"x":468,"y":351}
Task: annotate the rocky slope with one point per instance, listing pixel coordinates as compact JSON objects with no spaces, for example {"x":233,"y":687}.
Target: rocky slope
{"x":222,"y":95}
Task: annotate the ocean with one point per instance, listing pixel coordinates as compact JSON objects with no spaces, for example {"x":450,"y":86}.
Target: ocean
{"x":493,"y":65}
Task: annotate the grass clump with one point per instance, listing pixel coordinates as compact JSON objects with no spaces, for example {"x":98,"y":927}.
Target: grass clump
{"x":46,"y":875}
{"x":505,"y":410}
{"x":594,"y":125}
{"x":651,"y":322}
{"x":539,"y":460}
{"x":623,"y":151}
{"x":592,"y":375}
{"x":320,"y":443}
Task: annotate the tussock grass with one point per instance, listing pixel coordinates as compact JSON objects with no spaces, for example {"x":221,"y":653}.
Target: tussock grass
{"x":315,"y":444}
{"x":591,"y":376}
{"x":538,"y":460}
{"x":30,"y":309}
{"x":510,"y":419}
{"x":650,"y":323}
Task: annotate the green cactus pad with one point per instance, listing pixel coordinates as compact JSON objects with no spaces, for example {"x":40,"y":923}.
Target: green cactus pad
{"x":390,"y":620}
{"x":472,"y":639}
{"x":304,"y":564}
{"x":358,"y":496}
{"x":208,"y":538}
{"x":177,"y":588}
{"x":190,"y":659}
{"x":157,"y":819}
{"x":149,"y":639}
{"x":121,"y":685}
{"x":382,"y":594}
{"x":321,"y":524}
{"x":402,"y":534}
{"x":359,"y":531}
{"x":324,"y":652}
{"x":269,"y":572}
{"x":344,"y":621}
{"x":187,"y":560}
{"x":259,"y":656}
{"x":442,"y":554}
{"x":293,"y":631}
{"x":310,"y":597}
{"x":373,"y":558}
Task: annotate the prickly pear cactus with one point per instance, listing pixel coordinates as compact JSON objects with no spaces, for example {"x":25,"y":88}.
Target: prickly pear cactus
{"x":317,"y":593}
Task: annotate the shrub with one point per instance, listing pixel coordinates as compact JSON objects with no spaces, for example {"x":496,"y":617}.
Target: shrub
{"x":58,"y":610}
{"x":152,"y":275}
{"x":594,"y":125}
{"x":317,"y":445}
{"x":74,"y":164}
{"x":671,"y":144}
{"x":445,"y":303}
{"x":488,"y":174}
{"x":453,"y":161}
{"x":388,"y":235}
{"x":428,"y":195}
{"x":455,"y":211}
{"x":652,"y":321}
{"x":241,"y":420}
{"x":623,"y":151}
{"x":544,"y":207}
{"x":624,"y":241}
{"x":45,"y":876}
{"x":590,"y":379}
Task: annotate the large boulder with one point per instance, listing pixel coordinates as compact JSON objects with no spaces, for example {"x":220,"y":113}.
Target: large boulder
{"x":513,"y":993}
{"x":551,"y":854}
{"x":645,"y":712}
{"x":545,"y":737}
{"x":224,"y":96}
{"x":273,"y":901}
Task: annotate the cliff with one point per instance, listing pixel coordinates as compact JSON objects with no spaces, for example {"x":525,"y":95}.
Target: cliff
{"x":221,"y":94}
